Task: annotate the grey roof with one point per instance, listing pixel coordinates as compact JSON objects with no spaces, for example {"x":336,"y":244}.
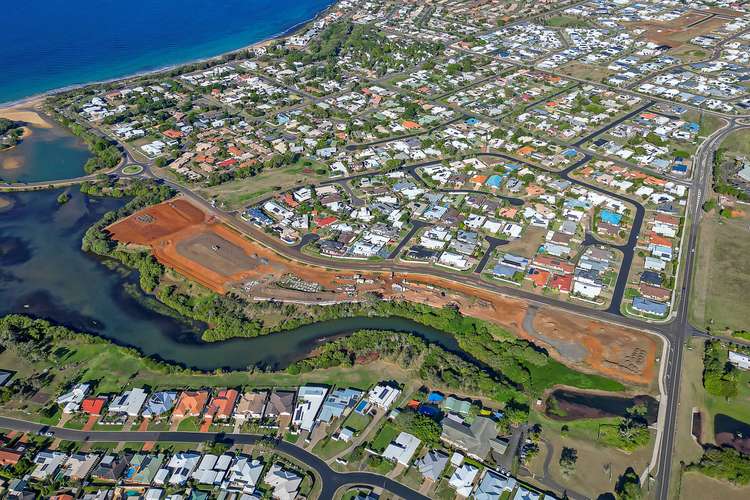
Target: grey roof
{"x":432,"y":464}
{"x":474,"y":439}
{"x":493,"y":485}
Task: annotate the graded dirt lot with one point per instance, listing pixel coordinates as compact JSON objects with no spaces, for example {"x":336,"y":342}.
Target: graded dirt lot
{"x":188,"y":240}
{"x":156,"y":222}
{"x":615,"y":351}
{"x":679,"y":31}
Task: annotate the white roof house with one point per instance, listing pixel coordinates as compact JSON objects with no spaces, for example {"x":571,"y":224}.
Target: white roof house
{"x":71,"y":401}
{"x":244,"y":473}
{"x":402,"y":448}
{"x":493,"y":485}
{"x":432,"y":464}
{"x":78,"y":465}
{"x":463,"y":478}
{"x":47,"y":463}
{"x":741,"y":361}
{"x":285,"y":483}
{"x":212,"y":469}
{"x":182,"y":465}
{"x":383,"y":396}
{"x":309,"y":401}
{"x":129,"y":402}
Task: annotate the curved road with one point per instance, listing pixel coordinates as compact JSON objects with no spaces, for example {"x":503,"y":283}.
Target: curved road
{"x":331,"y":479}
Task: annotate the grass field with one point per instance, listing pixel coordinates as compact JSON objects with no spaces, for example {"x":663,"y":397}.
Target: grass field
{"x":566,"y":22}
{"x":584,"y":71}
{"x":696,"y":485}
{"x":189,"y":424}
{"x":738,"y":142}
{"x":709,"y":123}
{"x":687,"y":450}
{"x":327,"y":448}
{"x":243,"y":192}
{"x":598,"y":466}
{"x":722,"y":274}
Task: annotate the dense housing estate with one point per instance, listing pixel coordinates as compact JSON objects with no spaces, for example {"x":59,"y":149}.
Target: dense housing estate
{"x":445,"y":153}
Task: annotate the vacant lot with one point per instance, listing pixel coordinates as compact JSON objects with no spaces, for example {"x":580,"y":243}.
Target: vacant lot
{"x":687,"y":450}
{"x":158,"y":221}
{"x":738,"y":142}
{"x":217,"y":253}
{"x":243,"y":192}
{"x":598,"y":466}
{"x":679,"y":31}
{"x":722,"y":274}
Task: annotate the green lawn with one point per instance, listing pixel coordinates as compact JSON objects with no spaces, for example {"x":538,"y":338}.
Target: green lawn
{"x":385,"y":435}
{"x":412,"y":478}
{"x":443,"y":491}
{"x":243,"y":192}
{"x":737,"y":408}
{"x":554,"y":373}
{"x":327,"y":448}
{"x":189,"y":424}
{"x":566,"y":22}
{"x":357,"y":422}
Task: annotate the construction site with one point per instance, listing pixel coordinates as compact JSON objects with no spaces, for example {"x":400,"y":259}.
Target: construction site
{"x":195,"y":244}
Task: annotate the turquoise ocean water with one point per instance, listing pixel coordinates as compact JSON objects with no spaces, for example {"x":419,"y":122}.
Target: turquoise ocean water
{"x":50,"y":44}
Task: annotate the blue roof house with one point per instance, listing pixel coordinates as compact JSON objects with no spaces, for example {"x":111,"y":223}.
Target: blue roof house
{"x":495,"y":181}
{"x":649,"y":306}
{"x":338,"y":401}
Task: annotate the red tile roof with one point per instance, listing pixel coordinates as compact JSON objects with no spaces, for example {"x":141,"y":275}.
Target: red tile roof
{"x":562,"y":282}
{"x":93,"y":406}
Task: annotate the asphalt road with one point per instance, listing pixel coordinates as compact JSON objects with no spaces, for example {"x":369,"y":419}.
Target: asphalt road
{"x":680,"y":330}
{"x":331,"y":479}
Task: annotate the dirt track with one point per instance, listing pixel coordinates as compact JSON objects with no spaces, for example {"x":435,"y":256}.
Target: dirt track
{"x":184,"y":238}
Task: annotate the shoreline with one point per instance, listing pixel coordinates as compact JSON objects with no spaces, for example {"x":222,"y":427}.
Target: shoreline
{"x":35,"y":99}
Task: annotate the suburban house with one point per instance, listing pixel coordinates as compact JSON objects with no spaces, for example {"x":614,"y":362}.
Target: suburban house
{"x":309,"y":401}
{"x":402,"y":448}
{"x":222,"y":405}
{"x":159,"y":403}
{"x":190,"y":404}
{"x":251,"y":405}
{"x":285,"y":483}
{"x":383,"y":396}
{"x":741,"y":361}
{"x":431,"y":465}
{"x":129,"y":402}
{"x":111,"y":468}
{"x":474,"y":439}
{"x":71,"y":401}
{"x":46,"y":464}
{"x":462,"y":479}
{"x":337,"y":402}
{"x":493,"y":486}
{"x":280,"y":404}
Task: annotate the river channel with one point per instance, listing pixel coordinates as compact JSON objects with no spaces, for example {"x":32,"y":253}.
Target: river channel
{"x":44,"y":273}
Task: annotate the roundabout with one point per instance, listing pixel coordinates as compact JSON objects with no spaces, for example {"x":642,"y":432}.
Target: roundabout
{"x":132,"y":170}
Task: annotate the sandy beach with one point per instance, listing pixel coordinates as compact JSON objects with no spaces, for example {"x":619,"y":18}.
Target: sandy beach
{"x":26,"y":114}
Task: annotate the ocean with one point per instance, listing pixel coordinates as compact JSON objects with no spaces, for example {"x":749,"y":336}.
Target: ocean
{"x":51,"y":44}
